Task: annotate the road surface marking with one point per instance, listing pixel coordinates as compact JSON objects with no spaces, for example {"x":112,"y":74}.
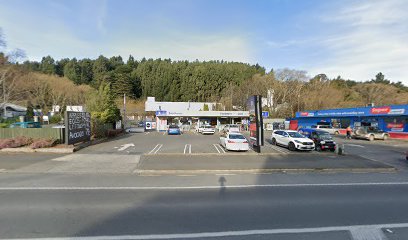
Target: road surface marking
{"x":187,"y":149}
{"x":164,"y":133}
{"x":221,"y":148}
{"x":354,"y":145}
{"x":124,"y":146}
{"x":147,"y":133}
{"x":215,"y":145}
{"x":277,"y":148}
{"x":354,"y":230}
{"x":364,"y":233}
{"x":226,"y":174}
{"x":186,"y":175}
{"x":2,"y":169}
{"x":206,"y":187}
{"x":156,"y":149}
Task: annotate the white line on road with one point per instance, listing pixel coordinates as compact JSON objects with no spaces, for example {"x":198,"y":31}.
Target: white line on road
{"x":187,"y":149}
{"x":276,"y":148}
{"x":354,"y":145}
{"x":147,"y":133}
{"x":215,"y":145}
{"x":352,"y":229}
{"x":221,"y":148}
{"x":156,"y":149}
{"x":208,"y":187}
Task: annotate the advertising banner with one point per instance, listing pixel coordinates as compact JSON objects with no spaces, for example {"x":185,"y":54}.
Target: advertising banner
{"x":77,"y":127}
{"x":254,"y":106}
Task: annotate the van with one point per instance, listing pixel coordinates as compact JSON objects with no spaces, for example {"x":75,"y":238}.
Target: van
{"x":321,"y":138}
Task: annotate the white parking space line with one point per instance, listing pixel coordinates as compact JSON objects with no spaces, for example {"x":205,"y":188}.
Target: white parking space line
{"x":221,"y":148}
{"x":147,"y":133}
{"x":279,"y":149}
{"x":156,"y":149}
{"x":187,"y":149}
{"x":215,"y":145}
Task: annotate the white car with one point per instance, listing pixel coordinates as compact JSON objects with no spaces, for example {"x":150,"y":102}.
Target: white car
{"x":292,"y":140}
{"x":234,"y":141}
{"x":327,"y":128}
{"x":207,"y":129}
{"x":231,"y":128}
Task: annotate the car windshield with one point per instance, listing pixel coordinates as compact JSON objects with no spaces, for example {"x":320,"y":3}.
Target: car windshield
{"x":236,"y":136}
{"x":325,"y":136}
{"x":295,"y":135}
{"x":173,"y":126}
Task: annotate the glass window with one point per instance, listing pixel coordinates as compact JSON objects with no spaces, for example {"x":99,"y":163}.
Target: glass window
{"x":295,"y":135}
{"x":236,"y":136}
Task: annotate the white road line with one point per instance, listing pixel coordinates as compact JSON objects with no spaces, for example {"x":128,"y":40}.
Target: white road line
{"x":185,"y":147}
{"x":154,"y":149}
{"x":352,"y":229}
{"x":221,"y":148}
{"x":354,"y":145}
{"x":158,"y":149}
{"x":189,"y":148}
{"x":215,"y":145}
{"x":147,"y":133}
{"x":295,"y":185}
{"x":276,"y":148}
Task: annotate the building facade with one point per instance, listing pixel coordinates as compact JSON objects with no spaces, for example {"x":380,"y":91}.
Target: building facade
{"x":191,"y":115}
{"x":392,"y":118}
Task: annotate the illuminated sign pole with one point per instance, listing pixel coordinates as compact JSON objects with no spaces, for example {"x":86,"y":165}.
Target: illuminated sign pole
{"x":256,"y":138}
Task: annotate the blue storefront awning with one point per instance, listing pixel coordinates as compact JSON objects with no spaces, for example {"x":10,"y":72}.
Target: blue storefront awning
{"x":392,"y":110}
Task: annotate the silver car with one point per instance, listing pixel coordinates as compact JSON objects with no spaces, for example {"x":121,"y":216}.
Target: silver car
{"x":370,"y":133}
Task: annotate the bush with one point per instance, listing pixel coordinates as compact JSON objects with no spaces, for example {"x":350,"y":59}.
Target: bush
{"x":55,"y":119}
{"x":19,"y":141}
{"x":43,"y":143}
{"x":4,"y":125}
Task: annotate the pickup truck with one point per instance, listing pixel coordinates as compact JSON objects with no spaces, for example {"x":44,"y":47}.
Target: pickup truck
{"x":327,"y":128}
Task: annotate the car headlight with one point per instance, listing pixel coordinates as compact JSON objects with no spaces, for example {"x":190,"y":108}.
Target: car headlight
{"x":298,"y":141}
{"x":334,"y":143}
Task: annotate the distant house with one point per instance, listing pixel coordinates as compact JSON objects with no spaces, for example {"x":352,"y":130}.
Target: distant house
{"x":12,"y":110}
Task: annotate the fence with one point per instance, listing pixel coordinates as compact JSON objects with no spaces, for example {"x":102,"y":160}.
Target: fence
{"x":55,"y":133}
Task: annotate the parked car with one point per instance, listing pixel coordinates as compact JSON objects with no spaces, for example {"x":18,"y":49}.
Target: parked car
{"x":327,"y":128}
{"x":370,"y":133}
{"x":321,"y":139}
{"x":234,"y":141}
{"x":292,"y":140}
{"x":208,"y":129}
{"x":173,"y":130}
{"x":231,"y":128}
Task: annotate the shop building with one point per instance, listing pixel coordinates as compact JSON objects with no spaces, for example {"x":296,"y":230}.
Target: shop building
{"x":392,"y":118}
{"x":191,"y":115}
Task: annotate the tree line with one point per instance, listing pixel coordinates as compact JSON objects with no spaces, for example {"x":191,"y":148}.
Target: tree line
{"x":165,"y":79}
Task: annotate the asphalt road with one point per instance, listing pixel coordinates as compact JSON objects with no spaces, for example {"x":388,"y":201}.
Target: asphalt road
{"x":261,"y":213}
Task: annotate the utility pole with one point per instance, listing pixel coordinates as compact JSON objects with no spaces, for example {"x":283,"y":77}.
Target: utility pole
{"x":124,"y":110}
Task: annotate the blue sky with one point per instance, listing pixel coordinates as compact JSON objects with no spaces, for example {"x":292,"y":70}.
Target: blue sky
{"x":354,"y":39}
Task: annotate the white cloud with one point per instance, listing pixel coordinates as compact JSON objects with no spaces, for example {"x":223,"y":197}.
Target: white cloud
{"x":374,"y":40}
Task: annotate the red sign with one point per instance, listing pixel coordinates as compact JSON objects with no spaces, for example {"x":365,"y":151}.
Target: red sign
{"x":304,"y":114}
{"x":380,"y":110}
{"x":395,"y":125}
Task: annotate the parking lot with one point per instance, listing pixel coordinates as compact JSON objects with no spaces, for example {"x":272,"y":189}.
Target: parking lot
{"x":192,"y":143}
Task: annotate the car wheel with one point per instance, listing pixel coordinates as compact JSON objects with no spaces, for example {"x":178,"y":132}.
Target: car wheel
{"x":317,"y":148}
{"x":292,"y":146}
{"x":386,"y":137}
{"x":273,"y":141}
{"x":371,"y":137}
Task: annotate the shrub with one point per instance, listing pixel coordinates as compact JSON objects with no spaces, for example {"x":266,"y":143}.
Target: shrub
{"x":4,"y":125}
{"x":55,"y":119}
{"x":43,"y":143}
{"x":19,"y":141}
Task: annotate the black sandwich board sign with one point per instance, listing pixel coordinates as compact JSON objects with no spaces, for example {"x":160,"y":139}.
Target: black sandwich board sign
{"x":77,"y":127}
{"x":256,"y":138}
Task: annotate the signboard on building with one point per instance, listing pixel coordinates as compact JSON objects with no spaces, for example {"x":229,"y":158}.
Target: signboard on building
{"x":265,"y":114}
{"x":254,"y":106}
{"x":77,"y":127}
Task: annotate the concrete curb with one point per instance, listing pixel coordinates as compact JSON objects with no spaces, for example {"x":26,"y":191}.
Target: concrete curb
{"x":274,"y":170}
{"x":41,"y":150}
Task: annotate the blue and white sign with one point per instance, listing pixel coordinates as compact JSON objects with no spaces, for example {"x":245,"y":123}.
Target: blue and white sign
{"x":161,"y":113}
{"x":265,"y":114}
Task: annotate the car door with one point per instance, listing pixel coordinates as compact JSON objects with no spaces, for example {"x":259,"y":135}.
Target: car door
{"x":285,"y":139}
{"x":277,"y":135}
